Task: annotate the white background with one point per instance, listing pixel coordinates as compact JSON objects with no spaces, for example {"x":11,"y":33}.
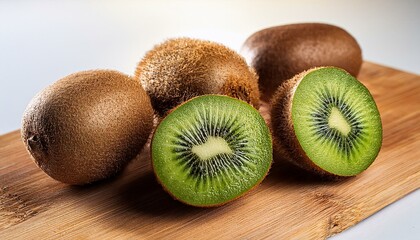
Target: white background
{"x":42,"y":41}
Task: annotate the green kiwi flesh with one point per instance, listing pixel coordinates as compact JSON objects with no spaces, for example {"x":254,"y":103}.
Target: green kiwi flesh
{"x":87,"y":126}
{"x":210,"y":150}
{"x":181,"y":68}
{"x":331,"y":120}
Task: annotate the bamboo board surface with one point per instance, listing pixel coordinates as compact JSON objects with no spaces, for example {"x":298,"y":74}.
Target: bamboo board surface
{"x":288,"y":203}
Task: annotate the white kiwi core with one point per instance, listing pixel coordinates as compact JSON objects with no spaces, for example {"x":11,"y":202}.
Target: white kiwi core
{"x":336,"y":120}
{"x":211,"y":148}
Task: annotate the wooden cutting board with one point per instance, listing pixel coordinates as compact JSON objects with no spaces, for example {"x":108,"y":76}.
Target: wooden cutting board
{"x":288,"y":204}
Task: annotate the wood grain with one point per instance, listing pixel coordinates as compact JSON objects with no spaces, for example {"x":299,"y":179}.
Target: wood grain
{"x":288,"y":204}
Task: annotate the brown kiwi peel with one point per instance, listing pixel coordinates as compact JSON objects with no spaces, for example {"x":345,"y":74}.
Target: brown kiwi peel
{"x":279,"y":53}
{"x":87,"y":126}
{"x":181,"y":68}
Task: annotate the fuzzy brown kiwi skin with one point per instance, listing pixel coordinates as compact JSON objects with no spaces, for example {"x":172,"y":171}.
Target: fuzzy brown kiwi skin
{"x":173,"y":196}
{"x":279,"y":53}
{"x":181,"y":68}
{"x":87,"y":126}
{"x":284,"y":137}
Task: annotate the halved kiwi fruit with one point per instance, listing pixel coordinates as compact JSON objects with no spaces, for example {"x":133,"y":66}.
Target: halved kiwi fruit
{"x":181,"y":68}
{"x":210,"y":150}
{"x":326,"y":121}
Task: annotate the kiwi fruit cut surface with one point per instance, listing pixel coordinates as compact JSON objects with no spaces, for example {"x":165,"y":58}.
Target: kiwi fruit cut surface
{"x":181,"y":68}
{"x":210,"y":150}
{"x":326,"y":121}
{"x":87,"y":126}
{"x":279,"y":53}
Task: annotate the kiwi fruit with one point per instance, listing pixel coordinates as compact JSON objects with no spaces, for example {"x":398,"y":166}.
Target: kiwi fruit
{"x":181,"y":68}
{"x":326,"y":121}
{"x":279,"y":53}
{"x":87,"y":126}
{"x":211,"y":150}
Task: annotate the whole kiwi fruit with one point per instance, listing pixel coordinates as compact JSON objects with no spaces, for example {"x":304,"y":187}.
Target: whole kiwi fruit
{"x":326,"y":121}
{"x":211,"y":150}
{"x":279,"y":53}
{"x":181,"y":68}
{"x":87,"y":126}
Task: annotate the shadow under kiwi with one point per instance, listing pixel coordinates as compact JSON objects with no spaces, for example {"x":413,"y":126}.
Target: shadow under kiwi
{"x":135,"y":190}
{"x":96,"y":186}
{"x":145,"y":195}
{"x":284,"y":172}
